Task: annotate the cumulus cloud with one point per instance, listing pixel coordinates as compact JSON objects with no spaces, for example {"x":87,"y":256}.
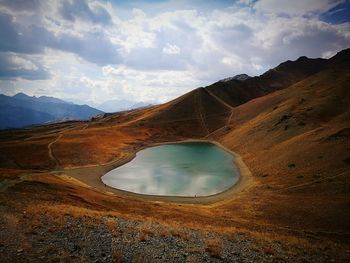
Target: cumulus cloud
{"x":171,"y":49}
{"x":13,"y":66}
{"x":95,"y":47}
{"x":115,"y":71}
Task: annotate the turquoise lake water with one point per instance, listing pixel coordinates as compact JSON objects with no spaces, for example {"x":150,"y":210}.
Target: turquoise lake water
{"x":186,"y":169}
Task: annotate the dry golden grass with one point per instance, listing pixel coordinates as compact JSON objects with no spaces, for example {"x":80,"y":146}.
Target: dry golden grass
{"x":177,"y":230}
{"x":192,"y":259}
{"x":11,"y":220}
{"x":214,"y":247}
{"x":163,"y":232}
{"x":194,"y":250}
{"x":112,"y":226}
{"x":142,"y":237}
{"x":117,"y":256}
{"x":268,"y":237}
{"x":145,"y":231}
{"x":142,"y":259}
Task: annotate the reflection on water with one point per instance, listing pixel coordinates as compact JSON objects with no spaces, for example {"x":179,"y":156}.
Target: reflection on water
{"x":187,"y":169}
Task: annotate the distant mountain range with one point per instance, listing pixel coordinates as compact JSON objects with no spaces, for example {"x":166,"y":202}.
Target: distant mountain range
{"x":22,"y":110}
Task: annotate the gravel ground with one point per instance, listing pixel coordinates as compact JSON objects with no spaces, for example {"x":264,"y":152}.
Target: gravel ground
{"x":117,"y":240}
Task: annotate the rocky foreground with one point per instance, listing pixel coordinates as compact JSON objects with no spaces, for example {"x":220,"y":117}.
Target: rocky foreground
{"x":112,"y":239}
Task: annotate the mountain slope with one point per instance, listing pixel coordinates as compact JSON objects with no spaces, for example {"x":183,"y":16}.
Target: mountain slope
{"x":203,"y":111}
{"x":15,"y":116}
{"x":236,"y":92}
{"x":296,"y":142}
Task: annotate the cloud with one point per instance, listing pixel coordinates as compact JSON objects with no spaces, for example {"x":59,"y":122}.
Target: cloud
{"x":19,"y":63}
{"x":13,"y":66}
{"x":250,"y":43}
{"x":16,"y":38}
{"x":296,"y":7}
{"x":116,"y":71}
{"x":88,"y":11}
{"x":137,"y":85}
{"x":171,"y":49}
{"x":20,"y":5}
{"x":246,"y":2}
{"x":94,"y":47}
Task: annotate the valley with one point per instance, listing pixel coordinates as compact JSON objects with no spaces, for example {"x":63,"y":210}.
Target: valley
{"x":290,"y":127}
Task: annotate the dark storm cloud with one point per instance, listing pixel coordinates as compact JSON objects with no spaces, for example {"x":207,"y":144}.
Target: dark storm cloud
{"x":13,"y":66}
{"x":93,"y":47}
{"x":16,"y":38}
{"x":8,"y":74}
{"x":80,"y":9}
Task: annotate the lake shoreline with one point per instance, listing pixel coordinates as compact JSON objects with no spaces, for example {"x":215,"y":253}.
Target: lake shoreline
{"x":90,"y":176}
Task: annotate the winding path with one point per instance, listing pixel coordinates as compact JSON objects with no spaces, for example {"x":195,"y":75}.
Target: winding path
{"x":6,"y":183}
{"x":51,"y":155}
{"x":228,"y":119}
{"x":219,"y":99}
{"x":60,"y":134}
{"x":198,"y":103}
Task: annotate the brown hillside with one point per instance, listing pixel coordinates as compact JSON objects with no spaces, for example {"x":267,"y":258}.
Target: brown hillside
{"x":236,"y":92}
{"x":296,"y":142}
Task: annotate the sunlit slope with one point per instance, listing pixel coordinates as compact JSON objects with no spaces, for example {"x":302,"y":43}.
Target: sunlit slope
{"x":194,"y":114}
{"x":296,"y":142}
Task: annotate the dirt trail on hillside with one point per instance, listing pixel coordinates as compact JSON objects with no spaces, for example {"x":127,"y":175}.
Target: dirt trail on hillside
{"x":224,"y":103}
{"x":60,"y":134}
{"x":199,"y":110}
{"x":51,"y":154}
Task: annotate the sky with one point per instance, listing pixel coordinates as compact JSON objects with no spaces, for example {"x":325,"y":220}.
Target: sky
{"x":153,"y":51}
